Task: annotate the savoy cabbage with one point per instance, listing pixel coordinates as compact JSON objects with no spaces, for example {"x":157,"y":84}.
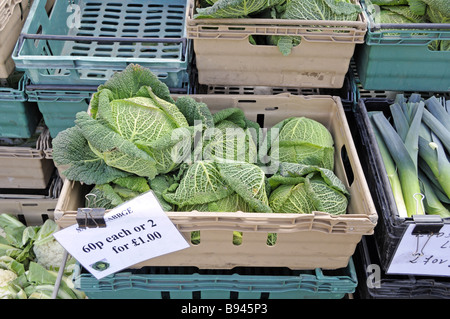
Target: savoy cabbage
{"x":128,"y":131}
{"x":342,"y":10}
{"x":234,"y":8}
{"x":220,"y":186}
{"x":301,"y":188}
{"x":301,"y":140}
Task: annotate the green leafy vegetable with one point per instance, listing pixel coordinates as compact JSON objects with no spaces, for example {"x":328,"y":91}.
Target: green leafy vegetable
{"x":31,"y":274}
{"x":301,"y":140}
{"x":128,"y":131}
{"x":341,"y":10}
{"x":416,"y":141}
{"x":234,"y":8}
{"x":216,"y":186}
{"x":298,"y":188}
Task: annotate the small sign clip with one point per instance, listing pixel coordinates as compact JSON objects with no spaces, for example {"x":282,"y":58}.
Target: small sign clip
{"x":88,"y":217}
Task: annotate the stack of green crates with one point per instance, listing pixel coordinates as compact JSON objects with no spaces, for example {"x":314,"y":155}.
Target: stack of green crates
{"x":68,"y":49}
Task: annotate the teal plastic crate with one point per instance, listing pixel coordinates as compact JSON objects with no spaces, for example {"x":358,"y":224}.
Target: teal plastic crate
{"x":20,"y":117}
{"x":59,"y":107}
{"x":240,"y":283}
{"x":84,"y":42}
{"x":396,"y":57}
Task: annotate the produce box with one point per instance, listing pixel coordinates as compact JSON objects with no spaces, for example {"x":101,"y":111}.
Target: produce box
{"x":58,"y":106}
{"x":304,"y":241}
{"x":374,"y":283}
{"x":348,"y":92}
{"x":25,"y":166}
{"x":13,"y":14}
{"x":243,"y":283}
{"x":32,"y":207}
{"x":391,"y":226}
{"x":397,"y":57}
{"x":84,"y":42}
{"x":224,"y":55}
{"x":20,"y":117}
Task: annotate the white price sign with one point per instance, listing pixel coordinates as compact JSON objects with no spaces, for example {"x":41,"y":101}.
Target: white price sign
{"x":135,"y":231}
{"x":422,"y":254}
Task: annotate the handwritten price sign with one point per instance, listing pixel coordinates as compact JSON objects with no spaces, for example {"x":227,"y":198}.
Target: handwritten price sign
{"x":135,"y":231}
{"x":422,"y":254}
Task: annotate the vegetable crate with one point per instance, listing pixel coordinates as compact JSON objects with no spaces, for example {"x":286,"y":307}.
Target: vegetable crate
{"x":59,"y":107}
{"x":59,"y":104}
{"x":397,"y":58}
{"x":243,"y":283}
{"x":33,"y":207}
{"x":391,"y":226}
{"x":224,"y":55}
{"x":20,"y":117}
{"x":13,"y":14}
{"x":393,"y":286}
{"x":304,"y":241}
{"x":84,"y":42}
{"x":348,"y":92}
{"x":26,"y":166}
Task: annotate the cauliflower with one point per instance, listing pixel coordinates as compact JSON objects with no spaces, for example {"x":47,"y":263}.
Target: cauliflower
{"x":49,"y":254}
{"x":6,"y":276}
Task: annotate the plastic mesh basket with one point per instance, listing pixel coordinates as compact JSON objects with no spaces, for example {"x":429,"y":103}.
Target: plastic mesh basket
{"x":86,"y":42}
{"x":19,"y":117}
{"x":397,"y":57}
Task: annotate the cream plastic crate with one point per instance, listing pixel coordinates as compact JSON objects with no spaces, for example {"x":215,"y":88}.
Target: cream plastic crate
{"x":13,"y":14}
{"x":26,"y":167}
{"x":224,"y":55}
{"x":33,"y":208}
{"x":305,"y":241}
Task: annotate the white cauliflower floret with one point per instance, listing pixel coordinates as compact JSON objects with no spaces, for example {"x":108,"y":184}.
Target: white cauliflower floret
{"x":6,"y":276}
{"x":49,"y":254}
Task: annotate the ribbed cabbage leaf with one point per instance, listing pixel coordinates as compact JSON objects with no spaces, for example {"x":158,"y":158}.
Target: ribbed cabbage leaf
{"x":208,"y":185}
{"x":302,"y":140}
{"x":303,"y":189}
{"x":234,"y":8}
{"x":129,"y":131}
{"x":342,"y":10}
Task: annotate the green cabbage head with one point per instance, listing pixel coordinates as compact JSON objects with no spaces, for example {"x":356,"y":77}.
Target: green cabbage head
{"x":298,"y":188}
{"x":301,"y":140}
{"x":129,"y":131}
{"x":214,"y":186}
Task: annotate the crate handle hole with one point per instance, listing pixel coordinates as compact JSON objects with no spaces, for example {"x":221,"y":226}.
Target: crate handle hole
{"x":347,"y":166}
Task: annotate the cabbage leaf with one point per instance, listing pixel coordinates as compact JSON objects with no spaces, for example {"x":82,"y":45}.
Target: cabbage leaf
{"x":298,"y":188}
{"x":129,"y":131}
{"x":234,"y":8}
{"x":341,"y":10}
{"x":219,"y":186}
{"x":301,"y":140}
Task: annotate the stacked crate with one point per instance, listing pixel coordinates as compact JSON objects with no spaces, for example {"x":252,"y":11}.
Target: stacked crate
{"x":313,"y":257}
{"x":395,"y":59}
{"x":29,"y":185}
{"x":67,"y":49}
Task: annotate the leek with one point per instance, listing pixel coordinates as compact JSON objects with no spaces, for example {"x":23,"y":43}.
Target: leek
{"x":391,"y":172}
{"x":433,"y":154}
{"x":433,"y":205}
{"x":438,"y":128}
{"x":401,"y":154}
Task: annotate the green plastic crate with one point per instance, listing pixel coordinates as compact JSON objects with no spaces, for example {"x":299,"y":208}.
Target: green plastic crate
{"x":59,"y":107}
{"x":84,"y":42}
{"x":397,"y":57}
{"x":240,"y":283}
{"x":19,"y":117}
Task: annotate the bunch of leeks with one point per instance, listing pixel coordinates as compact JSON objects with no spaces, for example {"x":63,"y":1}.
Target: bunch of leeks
{"x":414,"y":143}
